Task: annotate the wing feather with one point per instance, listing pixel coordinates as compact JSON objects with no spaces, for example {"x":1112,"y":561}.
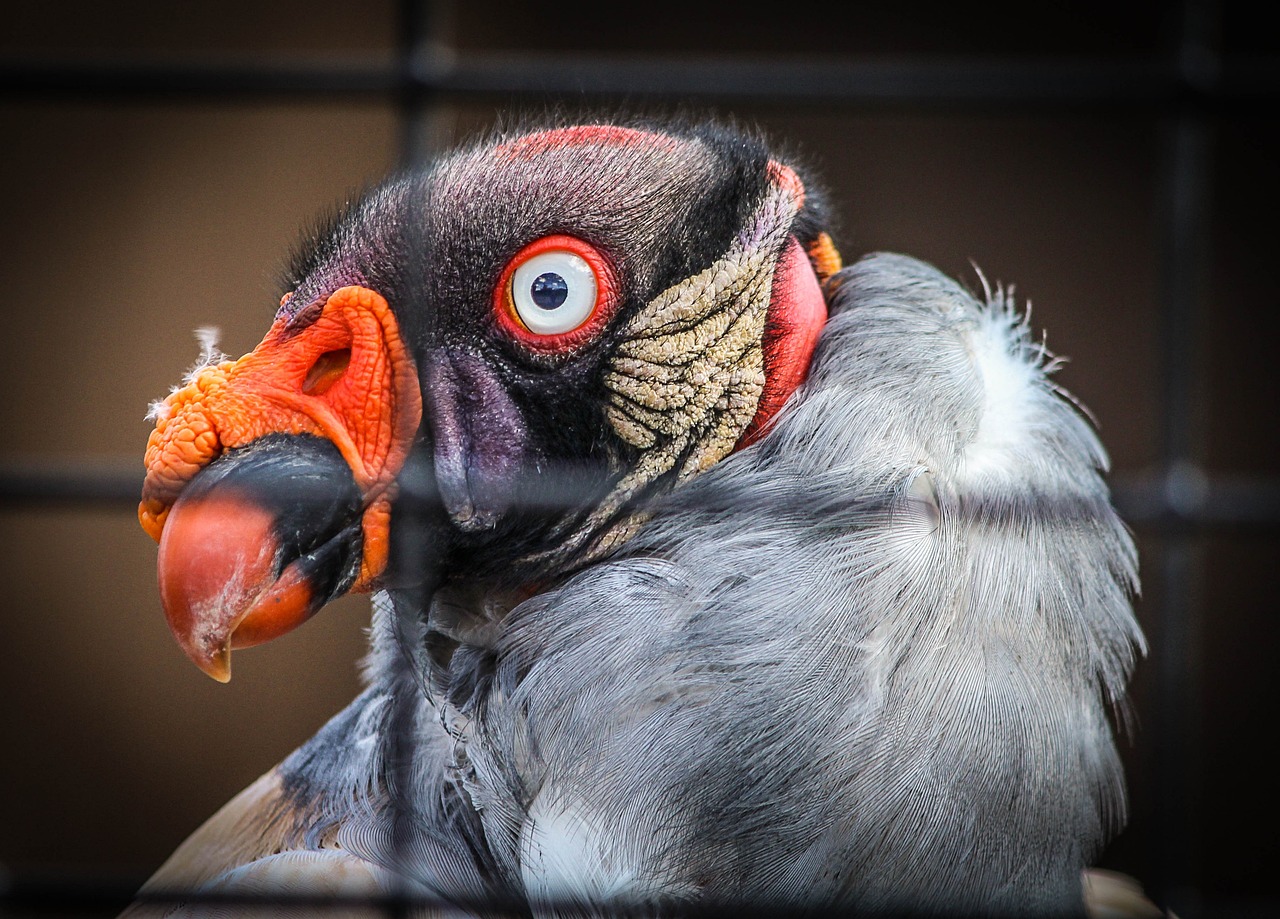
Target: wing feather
{"x":252,"y":846}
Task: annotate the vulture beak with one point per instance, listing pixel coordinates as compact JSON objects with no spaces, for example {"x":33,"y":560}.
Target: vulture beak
{"x":269,"y":479}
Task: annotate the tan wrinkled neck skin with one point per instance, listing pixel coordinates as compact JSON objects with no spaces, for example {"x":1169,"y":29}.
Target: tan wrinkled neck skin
{"x":686,"y":381}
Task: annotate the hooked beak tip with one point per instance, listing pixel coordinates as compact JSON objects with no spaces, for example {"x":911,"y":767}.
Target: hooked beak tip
{"x":214,"y":558}
{"x":206,"y":638}
{"x":216,"y":665}
{"x":258,"y":542}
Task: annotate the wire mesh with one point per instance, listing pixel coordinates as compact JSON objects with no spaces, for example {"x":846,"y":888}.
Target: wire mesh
{"x":1180,"y":501}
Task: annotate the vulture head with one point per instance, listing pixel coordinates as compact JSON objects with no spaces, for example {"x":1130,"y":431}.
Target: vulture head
{"x":539,"y":334}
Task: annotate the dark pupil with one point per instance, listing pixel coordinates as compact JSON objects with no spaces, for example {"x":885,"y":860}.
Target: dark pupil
{"x":549,"y":290}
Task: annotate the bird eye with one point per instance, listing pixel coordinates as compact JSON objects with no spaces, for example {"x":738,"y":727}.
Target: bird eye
{"x":553,"y":292}
{"x":556,"y":293}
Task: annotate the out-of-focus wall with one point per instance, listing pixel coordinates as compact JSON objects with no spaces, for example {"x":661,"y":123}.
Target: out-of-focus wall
{"x":127,"y":225}
{"x":130,"y":223}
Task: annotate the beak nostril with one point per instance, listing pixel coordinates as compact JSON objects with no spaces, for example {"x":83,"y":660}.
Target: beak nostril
{"x":327,"y":370}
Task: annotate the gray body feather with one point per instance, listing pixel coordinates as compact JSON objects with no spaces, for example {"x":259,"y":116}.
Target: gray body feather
{"x":869,"y":659}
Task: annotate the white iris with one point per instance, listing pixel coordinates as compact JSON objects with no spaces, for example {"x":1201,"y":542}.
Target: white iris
{"x":554,"y":292}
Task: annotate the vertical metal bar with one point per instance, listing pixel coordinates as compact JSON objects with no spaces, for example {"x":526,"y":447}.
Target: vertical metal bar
{"x":414,"y":21}
{"x":1185,"y":255}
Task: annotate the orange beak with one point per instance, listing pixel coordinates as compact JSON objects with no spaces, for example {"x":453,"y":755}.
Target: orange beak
{"x":269,"y":479}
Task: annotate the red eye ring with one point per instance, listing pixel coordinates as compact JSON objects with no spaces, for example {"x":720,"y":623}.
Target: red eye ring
{"x":606,"y":297}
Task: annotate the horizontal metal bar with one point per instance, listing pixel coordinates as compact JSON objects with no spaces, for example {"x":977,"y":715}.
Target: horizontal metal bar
{"x":65,"y":893}
{"x":27,"y":483}
{"x":1186,"y":500}
{"x":1016,"y":82}
{"x":970,"y":80}
{"x":112,"y":78}
{"x":1182,"y":500}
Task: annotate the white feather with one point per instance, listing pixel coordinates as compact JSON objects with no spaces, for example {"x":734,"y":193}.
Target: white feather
{"x":210,"y":354}
{"x":207,"y":336}
{"x":565,"y":856}
{"x":1012,"y":382}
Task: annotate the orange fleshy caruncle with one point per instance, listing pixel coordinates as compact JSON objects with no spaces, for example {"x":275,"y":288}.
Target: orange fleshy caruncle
{"x":347,"y":377}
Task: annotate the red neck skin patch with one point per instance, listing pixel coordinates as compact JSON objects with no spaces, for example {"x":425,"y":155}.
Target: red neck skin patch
{"x":797,"y":314}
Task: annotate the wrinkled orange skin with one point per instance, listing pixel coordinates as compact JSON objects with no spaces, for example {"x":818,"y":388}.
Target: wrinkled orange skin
{"x":299,"y":382}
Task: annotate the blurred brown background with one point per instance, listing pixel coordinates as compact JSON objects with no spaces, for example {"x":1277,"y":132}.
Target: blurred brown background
{"x":130,"y":220}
